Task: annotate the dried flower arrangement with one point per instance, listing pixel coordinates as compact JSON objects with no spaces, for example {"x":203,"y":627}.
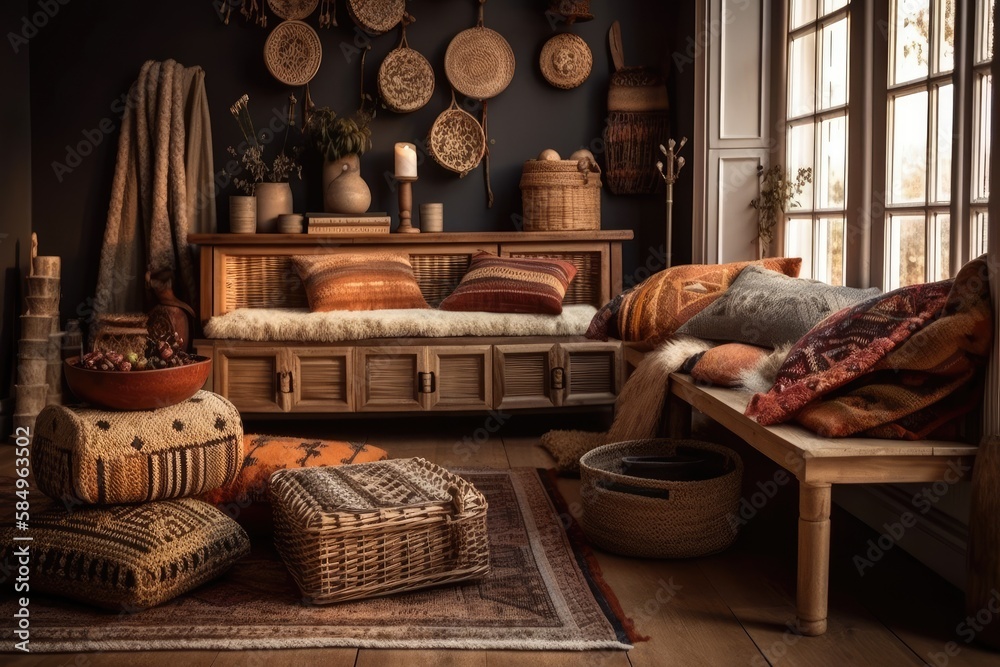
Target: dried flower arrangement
{"x":250,"y":153}
{"x":776,"y":195}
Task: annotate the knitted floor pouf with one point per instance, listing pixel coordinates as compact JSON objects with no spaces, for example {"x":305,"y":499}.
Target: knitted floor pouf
{"x":91,"y":456}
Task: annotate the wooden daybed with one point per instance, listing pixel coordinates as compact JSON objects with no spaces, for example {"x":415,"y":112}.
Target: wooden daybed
{"x":389,"y":375}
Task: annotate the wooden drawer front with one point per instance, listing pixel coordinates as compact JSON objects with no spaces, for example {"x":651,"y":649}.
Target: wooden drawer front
{"x":523,"y":376}
{"x":592,"y":265}
{"x":322,"y":379}
{"x":462,"y":377}
{"x":248,"y":378}
{"x":388,"y":380}
{"x":593,"y":373}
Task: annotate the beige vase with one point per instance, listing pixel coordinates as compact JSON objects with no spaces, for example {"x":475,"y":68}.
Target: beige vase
{"x":273,"y":199}
{"x":344,"y":191}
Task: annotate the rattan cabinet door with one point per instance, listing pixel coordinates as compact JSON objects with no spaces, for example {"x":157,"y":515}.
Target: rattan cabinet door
{"x":461,"y":377}
{"x":387,"y":378}
{"x":527,"y":376}
{"x":593,"y":372}
{"x":250,"y":377}
{"x":322,"y":379}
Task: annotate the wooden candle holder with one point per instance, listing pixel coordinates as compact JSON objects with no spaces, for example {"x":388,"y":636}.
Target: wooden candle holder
{"x":406,"y":205}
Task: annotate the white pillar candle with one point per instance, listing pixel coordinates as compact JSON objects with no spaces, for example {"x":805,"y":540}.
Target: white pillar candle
{"x":406,"y":160}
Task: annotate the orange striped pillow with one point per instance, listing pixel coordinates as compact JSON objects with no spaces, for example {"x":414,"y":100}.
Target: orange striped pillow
{"x":512,"y":285}
{"x":370,"y":281}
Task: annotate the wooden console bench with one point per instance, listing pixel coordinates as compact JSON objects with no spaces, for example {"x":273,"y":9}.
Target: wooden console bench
{"x":388,"y":375}
{"x":817,"y":463}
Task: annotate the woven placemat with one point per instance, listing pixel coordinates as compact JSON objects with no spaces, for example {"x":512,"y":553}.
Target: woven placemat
{"x":566,"y":61}
{"x":293,"y":53}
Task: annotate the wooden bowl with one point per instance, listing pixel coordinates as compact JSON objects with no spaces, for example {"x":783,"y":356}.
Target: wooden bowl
{"x":137,"y":390}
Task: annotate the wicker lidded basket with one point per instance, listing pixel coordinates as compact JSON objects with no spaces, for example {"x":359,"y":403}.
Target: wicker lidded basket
{"x":372,"y":529}
{"x":561,"y":195}
{"x":697,"y":518}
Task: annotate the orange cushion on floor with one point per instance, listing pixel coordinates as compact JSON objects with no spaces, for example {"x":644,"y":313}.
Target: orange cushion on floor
{"x":722,"y":366}
{"x":265,"y":454}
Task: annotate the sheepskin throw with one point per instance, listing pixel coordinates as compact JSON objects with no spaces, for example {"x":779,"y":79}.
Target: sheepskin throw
{"x":128,"y":557}
{"x":86,"y":455}
{"x":284,"y":324}
{"x":360,"y":281}
{"x":512,"y":285}
{"x":163,"y":188}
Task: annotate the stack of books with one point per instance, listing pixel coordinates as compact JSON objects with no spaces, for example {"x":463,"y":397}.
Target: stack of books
{"x":348,"y":223}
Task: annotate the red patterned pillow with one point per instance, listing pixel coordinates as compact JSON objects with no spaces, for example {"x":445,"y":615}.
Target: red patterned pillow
{"x":369,"y":281}
{"x":512,"y":285}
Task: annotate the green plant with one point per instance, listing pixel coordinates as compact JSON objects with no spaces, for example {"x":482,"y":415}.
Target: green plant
{"x":777,"y":194}
{"x":337,"y":136}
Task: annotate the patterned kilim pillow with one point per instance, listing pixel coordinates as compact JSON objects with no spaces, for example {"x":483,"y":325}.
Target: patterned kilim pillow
{"x":104,"y":457}
{"x":370,"y":281}
{"x":512,"y":285}
{"x":127,"y":557}
{"x":264,"y":454}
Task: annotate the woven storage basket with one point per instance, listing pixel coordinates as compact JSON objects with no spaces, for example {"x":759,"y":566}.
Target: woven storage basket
{"x":561,"y":195}
{"x":371,"y":529}
{"x":697,"y":518}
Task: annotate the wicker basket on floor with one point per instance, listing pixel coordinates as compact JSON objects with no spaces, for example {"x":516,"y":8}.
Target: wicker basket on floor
{"x":371,"y":529}
{"x":690,"y":518}
{"x":561,"y":195}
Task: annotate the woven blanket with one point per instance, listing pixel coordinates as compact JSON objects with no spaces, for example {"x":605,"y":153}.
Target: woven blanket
{"x":903,"y":365}
{"x":87,"y":455}
{"x":286,"y":324}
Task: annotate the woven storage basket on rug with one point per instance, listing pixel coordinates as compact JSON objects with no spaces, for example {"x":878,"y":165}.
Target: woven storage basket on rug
{"x":373,"y":529}
{"x":696,"y":518}
{"x":561,"y":195}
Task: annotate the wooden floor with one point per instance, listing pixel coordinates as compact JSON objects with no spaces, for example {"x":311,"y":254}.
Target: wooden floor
{"x":734,"y":608}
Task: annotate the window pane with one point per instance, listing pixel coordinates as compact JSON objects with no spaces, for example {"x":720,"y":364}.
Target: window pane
{"x":910,"y":45}
{"x":942,"y":163}
{"x":984,"y":32}
{"x":830,"y":173}
{"x":800,"y":156}
{"x":799,"y":243}
{"x":834,"y":65}
{"x":830,"y":251}
{"x":803,"y":11}
{"x":942,"y":251}
{"x":802,"y":75}
{"x":980,"y":225}
{"x":906,"y":250}
{"x":908,"y":150}
{"x":981,"y":139}
{"x":944,"y":35}
{"x":833,"y":5}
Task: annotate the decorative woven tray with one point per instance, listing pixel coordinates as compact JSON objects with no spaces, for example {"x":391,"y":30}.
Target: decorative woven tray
{"x":376,"y":16}
{"x":479,"y":63}
{"x":293,"y":53}
{"x":566,"y":61}
{"x":372,"y":529}
{"x":457,"y":141}
{"x":405,"y":79}
{"x":293,"y":10}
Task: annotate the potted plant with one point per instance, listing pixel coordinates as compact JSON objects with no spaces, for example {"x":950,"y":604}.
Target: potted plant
{"x":776,"y":195}
{"x":341,"y":140}
{"x":267,"y":182}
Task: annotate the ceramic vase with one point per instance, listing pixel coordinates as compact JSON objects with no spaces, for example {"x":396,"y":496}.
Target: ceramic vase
{"x":273,"y":199}
{"x":344,"y":191}
{"x":242,"y":214}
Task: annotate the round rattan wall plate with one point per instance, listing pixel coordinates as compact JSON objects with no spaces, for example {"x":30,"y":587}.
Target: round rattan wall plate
{"x":566,"y":61}
{"x":293,"y":10}
{"x":293,"y":53}
{"x":376,"y":16}
{"x":457,"y":141}
{"x":479,"y":63}
{"x":405,"y":80}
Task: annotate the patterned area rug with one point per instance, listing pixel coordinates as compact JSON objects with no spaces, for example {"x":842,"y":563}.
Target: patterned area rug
{"x":544,"y":592}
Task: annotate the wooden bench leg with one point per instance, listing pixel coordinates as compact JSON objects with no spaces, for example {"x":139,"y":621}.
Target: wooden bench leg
{"x":678,"y":418}
{"x":814,"y":558}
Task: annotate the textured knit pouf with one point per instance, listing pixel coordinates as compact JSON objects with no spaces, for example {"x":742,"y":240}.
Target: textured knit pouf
{"x":92,"y":456}
{"x":127,"y":557}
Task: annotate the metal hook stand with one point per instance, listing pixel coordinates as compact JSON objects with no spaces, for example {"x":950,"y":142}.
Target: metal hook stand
{"x":669,"y":170}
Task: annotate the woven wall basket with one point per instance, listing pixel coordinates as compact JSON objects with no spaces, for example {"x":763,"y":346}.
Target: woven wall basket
{"x":405,"y":79}
{"x":561,"y":195}
{"x":293,"y":53}
{"x":566,"y":61}
{"x":479,"y":62}
{"x":293,"y":10}
{"x":697,"y":518}
{"x":376,"y":16}
{"x":457,"y":141}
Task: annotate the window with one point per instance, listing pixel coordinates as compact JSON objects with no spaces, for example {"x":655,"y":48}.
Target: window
{"x":921,"y":175}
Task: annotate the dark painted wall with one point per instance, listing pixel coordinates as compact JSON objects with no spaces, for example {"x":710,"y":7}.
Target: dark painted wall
{"x":15,"y":189}
{"x":84,"y":62}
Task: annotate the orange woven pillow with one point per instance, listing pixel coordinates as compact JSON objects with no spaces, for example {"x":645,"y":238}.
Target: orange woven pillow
{"x":722,"y":365}
{"x":512,"y":285}
{"x":264,"y":454}
{"x":370,"y":281}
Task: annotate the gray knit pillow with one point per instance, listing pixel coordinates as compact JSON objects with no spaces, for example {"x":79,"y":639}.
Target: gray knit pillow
{"x":767,"y":308}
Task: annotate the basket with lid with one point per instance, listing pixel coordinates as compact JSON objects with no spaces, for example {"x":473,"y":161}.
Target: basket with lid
{"x":371,"y":529}
{"x":561,"y":195}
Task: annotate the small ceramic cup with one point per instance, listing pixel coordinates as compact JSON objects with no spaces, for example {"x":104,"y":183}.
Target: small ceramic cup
{"x":432,"y":217}
{"x":290,"y":223}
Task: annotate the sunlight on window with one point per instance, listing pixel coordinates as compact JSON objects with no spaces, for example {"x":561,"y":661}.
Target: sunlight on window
{"x":830,"y":251}
{"x":834,"y":65}
{"x":942,"y":161}
{"x":980,"y":226}
{"x":802,"y":12}
{"x":909,"y":148}
{"x":981,"y":139}
{"x":800,"y":155}
{"x":907,"y":249}
{"x":910,"y":43}
{"x":942,"y":225}
{"x":799,"y":243}
{"x":831,"y":163}
{"x":945,"y":36}
{"x":802,"y":76}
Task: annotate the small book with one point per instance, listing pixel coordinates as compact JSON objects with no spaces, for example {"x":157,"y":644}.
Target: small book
{"x":348,"y":218}
{"x":348,"y":229}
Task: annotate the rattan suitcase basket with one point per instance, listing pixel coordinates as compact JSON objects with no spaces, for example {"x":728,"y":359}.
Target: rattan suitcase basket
{"x":378,"y":528}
